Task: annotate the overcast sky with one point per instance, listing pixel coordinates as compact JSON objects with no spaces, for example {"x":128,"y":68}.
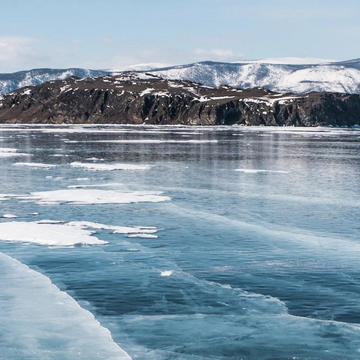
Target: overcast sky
{"x":114,"y":33}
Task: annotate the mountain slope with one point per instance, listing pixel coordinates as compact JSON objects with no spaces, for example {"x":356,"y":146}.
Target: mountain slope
{"x":341,"y":77}
{"x":17,"y":80}
{"x":138,"y":98}
{"x":283,"y":75}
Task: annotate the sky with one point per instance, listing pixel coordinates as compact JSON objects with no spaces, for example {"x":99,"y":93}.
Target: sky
{"x":106,"y":34}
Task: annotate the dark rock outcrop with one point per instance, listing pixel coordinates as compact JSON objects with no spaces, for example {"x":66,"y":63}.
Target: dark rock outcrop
{"x":137,"y":98}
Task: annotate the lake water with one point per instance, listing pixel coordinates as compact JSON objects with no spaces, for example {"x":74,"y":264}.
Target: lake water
{"x":248,"y":246}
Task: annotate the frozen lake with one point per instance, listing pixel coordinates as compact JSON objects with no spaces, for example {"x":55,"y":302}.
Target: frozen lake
{"x":121,"y":242}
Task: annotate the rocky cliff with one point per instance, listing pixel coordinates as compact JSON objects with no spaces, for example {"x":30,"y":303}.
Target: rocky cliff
{"x":138,"y":98}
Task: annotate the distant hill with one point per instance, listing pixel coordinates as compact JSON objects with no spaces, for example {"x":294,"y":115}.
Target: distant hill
{"x":141,"y":98}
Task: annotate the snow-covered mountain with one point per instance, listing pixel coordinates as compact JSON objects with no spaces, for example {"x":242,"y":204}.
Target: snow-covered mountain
{"x":294,"y":76}
{"x":12,"y":81}
{"x":288,"y":61}
{"x":297,"y":75}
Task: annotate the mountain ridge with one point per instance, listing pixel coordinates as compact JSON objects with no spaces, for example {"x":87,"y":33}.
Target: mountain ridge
{"x":334,"y":76}
{"x":343,"y":76}
{"x":17,"y":80}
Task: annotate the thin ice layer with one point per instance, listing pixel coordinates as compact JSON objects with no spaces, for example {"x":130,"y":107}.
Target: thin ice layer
{"x":35,"y":165}
{"x":109,"y":167}
{"x":39,"y":321}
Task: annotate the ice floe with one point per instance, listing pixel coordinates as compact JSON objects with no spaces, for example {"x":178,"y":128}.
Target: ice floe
{"x":146,"y":236}
{"x":137,"y":231}
{"x":166,"y":273}
{"x":4,"y":197}
{"x":35,"y":165}
{"x":46,"y":221}
{"x":154,"y":141}
{"x":58,"y":233}
{"x":109,"y":167}
{"x":9,"y":216}
{"x":93,"y":196}
{"x":83,"y":186}
{"x":254,"y":171}
{"x":44,"y":233}
{"x":10,"y":152}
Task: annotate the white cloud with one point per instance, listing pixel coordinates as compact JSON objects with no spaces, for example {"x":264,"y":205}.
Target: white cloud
{"x":109,"y":41}
{"x":23,"y":53}
{"x":218,"y":55}
{"x":145,"y":56}
{"x":77,"y":41}
{"x":19,"y":52}
{"x":173,"y":56}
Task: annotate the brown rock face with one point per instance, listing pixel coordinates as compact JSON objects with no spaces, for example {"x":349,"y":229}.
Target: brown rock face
{"x":133,"y":98}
